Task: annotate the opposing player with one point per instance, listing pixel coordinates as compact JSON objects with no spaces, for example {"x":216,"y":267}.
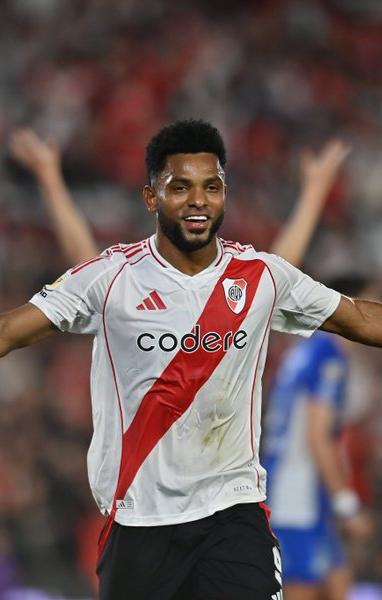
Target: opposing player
{"x":307,"y":483}
{"x":181,"y":323}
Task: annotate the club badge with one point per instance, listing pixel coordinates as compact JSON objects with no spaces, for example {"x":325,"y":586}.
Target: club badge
{"x":235,"y":293}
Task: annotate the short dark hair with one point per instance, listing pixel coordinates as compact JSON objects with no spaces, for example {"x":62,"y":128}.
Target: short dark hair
{"x":183,"y":137}
{"x":349,"y":284}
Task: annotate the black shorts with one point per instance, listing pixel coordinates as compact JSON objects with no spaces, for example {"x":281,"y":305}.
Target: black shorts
{"x":231,"y":555}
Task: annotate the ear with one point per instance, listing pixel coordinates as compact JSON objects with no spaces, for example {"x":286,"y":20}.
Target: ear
{"x":150,"y":198}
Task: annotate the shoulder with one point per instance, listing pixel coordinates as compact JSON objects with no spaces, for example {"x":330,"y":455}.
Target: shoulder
{"x":282,"y":273}
{"x":275,"y":264}
{"x":126,"y":253}
{"x":235,"y":248}
{"x":103,"y":267}
{"x":244,"y":252}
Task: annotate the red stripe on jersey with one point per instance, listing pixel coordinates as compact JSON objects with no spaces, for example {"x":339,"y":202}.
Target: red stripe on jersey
{"x":221,"y":252}
{"x":85,"y":264}
{"x":235,"y":245}
{"x":106,"y":529}
{"x":173,"y":392}
{"x":133,"y":253}
{"x":155,"y":257}
{"x":139,"y":259}
{"x":107,"y":339}
{"x":257,"y":364}
{"x":157,"y":300}
{"x":149,"y":304}
{"x":129,"y":247}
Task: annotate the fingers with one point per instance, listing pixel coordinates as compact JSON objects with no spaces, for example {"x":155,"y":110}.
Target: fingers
{"x":31,"y":151}
{"x":321,"y":168}
{"x":334,"y":152}
{"x":23,"y":142}
{"x":360,"y":526}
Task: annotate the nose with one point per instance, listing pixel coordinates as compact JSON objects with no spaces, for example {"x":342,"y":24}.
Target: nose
{"x":197,"y":197}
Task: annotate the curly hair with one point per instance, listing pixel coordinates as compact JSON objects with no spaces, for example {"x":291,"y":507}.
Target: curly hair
{"x":188,"y":137}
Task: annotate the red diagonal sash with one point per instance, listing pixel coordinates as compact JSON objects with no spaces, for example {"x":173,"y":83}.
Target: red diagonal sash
{"x":173,"y":392}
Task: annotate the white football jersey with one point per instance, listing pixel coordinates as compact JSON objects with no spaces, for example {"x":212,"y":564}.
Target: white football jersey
{"x":176,"y":372}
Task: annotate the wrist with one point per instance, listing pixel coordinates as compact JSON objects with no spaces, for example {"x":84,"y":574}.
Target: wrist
{"x":49,"y":176}
{"x":346,"y":503}
{"x":316,"y":189}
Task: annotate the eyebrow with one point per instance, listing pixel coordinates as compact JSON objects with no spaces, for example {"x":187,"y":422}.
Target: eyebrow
{"x":214,"y":178}
{"x":179,"y":179}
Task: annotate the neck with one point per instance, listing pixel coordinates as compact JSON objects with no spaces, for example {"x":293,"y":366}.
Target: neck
{"x":189,"y":263}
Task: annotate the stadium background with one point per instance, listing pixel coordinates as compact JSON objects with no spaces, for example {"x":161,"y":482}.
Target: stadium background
{"x":101,"y":76}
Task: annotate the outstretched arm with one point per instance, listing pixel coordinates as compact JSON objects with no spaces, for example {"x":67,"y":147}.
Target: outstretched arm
{"x":42,"y":159}
{"x":357,"y":320}
{"x":23,"y":326}
{"x":318,"y":173}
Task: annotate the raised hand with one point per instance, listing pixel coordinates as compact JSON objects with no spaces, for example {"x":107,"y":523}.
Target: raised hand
{"x":321,"y":168}
{"x":318,"y":173}
{"x":35,"y":154}
{"x":42,"y":159}
{"x":360,"y":527}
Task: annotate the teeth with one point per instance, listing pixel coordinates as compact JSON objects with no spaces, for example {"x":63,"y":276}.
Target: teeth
{"x":196,"y":218}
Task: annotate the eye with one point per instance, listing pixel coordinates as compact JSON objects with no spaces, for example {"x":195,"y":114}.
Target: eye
{"x":179,"y":187}
{"x":212,"y":187}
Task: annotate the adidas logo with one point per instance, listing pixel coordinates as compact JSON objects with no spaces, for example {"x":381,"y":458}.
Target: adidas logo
{"x":152,"y":302}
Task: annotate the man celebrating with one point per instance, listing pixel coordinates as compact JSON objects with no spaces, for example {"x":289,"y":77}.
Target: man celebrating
{"x":181,"y":323}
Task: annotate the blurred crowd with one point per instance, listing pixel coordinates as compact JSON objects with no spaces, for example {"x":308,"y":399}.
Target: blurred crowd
{"x":101,"y":76}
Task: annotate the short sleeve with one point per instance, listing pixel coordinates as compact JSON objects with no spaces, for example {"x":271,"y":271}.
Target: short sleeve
{"x":301,"y":304}
{"x":74,"y":302}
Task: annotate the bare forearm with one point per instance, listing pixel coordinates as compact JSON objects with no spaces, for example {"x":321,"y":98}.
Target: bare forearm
{"x":345,"y":502}
{"x":23,"y":326}
{"x":319,"y":171}
{"x":357,"y":320}
{"x":331,"y":471}
{"x":74,"y":234}
{"x":295,"y":236}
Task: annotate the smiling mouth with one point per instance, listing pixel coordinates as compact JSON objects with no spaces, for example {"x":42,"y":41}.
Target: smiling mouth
{"x":196,"y":223}
{"x":196,"y":219}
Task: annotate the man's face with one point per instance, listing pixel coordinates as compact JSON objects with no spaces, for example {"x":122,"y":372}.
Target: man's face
{"x":189,"y":199}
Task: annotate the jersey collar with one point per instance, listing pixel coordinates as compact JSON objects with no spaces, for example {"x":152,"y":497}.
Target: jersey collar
{"x":165,"y":264}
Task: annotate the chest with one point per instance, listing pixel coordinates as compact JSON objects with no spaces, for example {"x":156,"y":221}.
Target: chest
{"x":148,"y":312}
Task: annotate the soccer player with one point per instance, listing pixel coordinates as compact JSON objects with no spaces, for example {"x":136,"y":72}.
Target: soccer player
{"x":306,"y":475}
{"x":181,"y":323}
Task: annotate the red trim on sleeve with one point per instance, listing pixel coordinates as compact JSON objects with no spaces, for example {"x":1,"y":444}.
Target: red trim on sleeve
{"x":86,"y":264}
